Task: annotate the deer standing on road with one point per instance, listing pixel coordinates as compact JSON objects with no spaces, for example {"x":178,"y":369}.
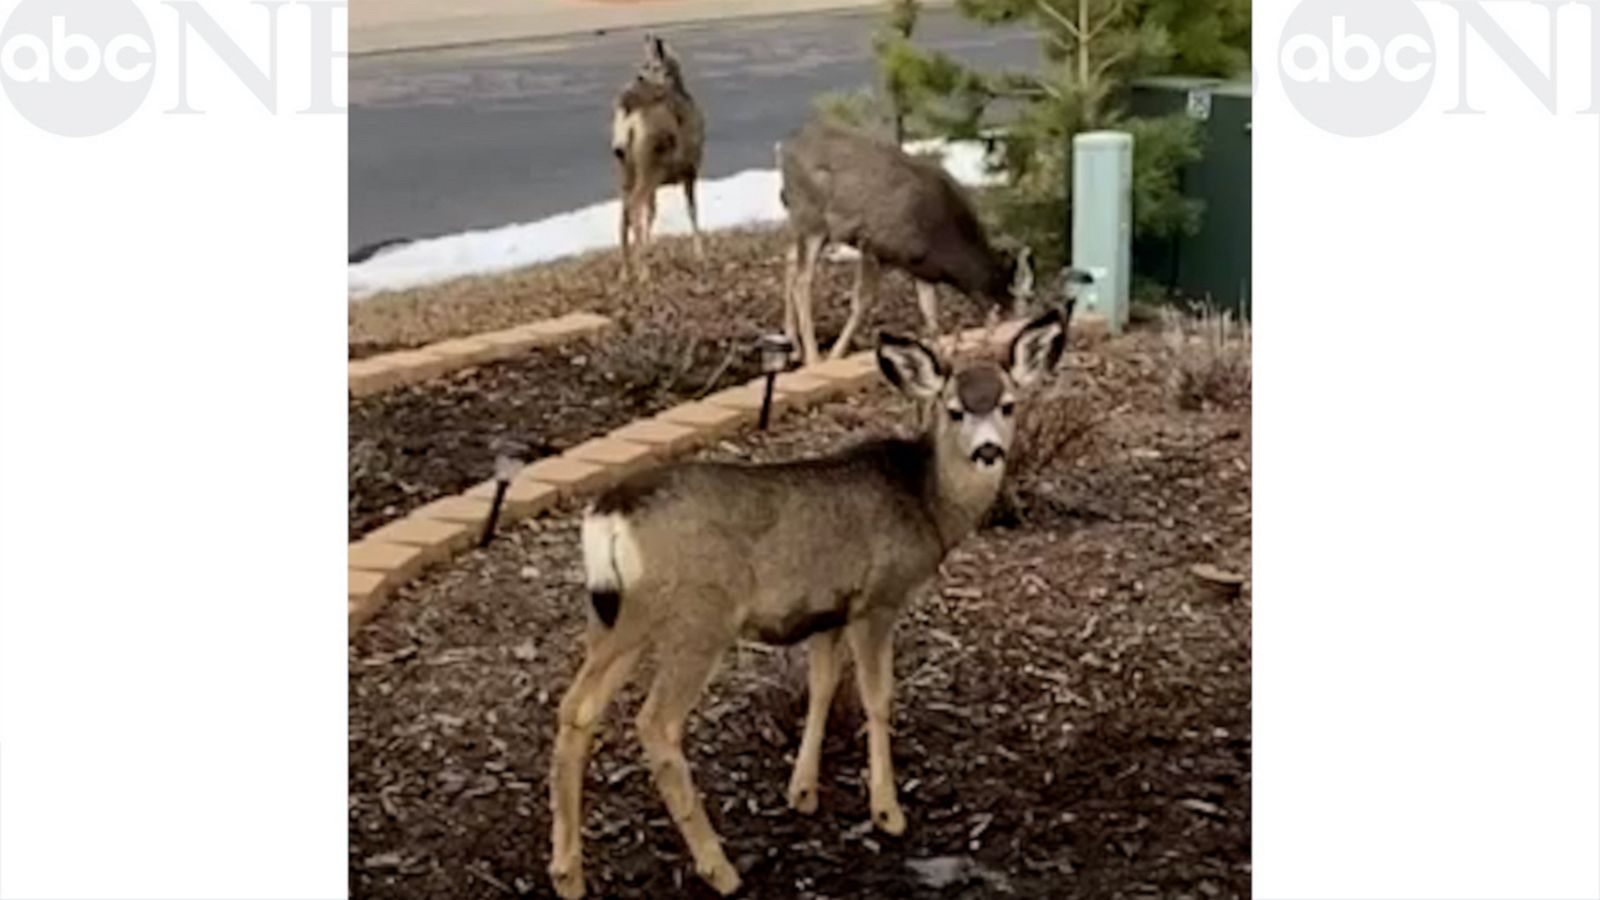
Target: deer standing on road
{"x":658,"y":136}
{"x":685,"y":560}
{"x":845,"y":187}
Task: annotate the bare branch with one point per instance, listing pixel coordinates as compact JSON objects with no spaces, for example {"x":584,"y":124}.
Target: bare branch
{"x":1058,"y":18}
{"x":1112,"y":60}
{"x":1106,"y":21}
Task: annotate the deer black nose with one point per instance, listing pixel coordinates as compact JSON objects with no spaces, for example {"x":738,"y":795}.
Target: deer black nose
{"x":988,"y":454}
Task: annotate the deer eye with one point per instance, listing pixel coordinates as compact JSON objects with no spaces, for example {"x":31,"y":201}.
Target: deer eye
{"x":1007,"y":409}
{"x":956,"y":415}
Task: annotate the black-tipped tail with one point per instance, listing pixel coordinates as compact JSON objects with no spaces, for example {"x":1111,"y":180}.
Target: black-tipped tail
{"x":606,"y":605}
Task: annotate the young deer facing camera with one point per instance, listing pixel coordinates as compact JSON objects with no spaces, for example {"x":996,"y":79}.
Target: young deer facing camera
{"x":658,"y":136}
{"x":685,"y":560}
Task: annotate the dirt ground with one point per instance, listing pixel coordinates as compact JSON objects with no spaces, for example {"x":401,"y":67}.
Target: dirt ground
{"x":684,"y":336}
{"x":737,"y":291}
{"x":1072,"y":709}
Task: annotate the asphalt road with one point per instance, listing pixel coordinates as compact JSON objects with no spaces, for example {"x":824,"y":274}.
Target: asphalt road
{"x":453,"y":139}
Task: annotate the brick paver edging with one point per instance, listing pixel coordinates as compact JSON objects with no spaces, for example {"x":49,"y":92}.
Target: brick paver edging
{"x":393,"y":554}
{"x":390,"y":370}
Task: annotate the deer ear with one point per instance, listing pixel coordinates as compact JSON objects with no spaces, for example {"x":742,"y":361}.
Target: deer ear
{"x":1037,"y":348}
{"x":910,"y":366}
{"x":1022,"y":275}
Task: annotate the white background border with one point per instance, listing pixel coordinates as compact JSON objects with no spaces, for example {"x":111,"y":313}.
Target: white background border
{"x":1427,"y":488}
{"x":1427,"y":431}
{"x":172,"y":431}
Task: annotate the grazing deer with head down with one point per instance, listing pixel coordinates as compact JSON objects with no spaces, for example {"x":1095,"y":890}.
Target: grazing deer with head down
{"x":658,"y":136}
{"x":685,"y":560}
{"x":845,"y":187}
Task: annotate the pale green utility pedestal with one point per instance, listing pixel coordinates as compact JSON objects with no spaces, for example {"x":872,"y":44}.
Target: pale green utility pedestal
{"x":1102,"y":221}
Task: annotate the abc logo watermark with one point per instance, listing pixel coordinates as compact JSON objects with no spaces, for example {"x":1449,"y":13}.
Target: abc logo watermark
{"x":1357,"y":68}
{"x":76,"y":67}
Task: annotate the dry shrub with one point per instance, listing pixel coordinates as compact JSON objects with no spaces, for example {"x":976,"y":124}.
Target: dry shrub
{"x":1210,"y":358}
{"x":1054,"y":427}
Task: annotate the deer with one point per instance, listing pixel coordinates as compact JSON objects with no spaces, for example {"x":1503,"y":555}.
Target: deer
{"x":686,"y":560}
{"x":658,"y":137}
{"x":842,"y":186}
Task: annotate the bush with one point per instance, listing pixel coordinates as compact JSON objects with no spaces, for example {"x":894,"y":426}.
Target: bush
{"x":1210,"y":358}
{"x":1054,"y":428}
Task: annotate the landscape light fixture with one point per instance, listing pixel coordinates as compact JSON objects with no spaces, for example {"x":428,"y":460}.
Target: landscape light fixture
{"x":1073,"y":282}
{"x":505,"y":469}
{"x":776,"y":351}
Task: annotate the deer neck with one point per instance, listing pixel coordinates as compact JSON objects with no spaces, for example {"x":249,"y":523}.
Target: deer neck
{"x":976,"y":270}
{"x":957,"y":494}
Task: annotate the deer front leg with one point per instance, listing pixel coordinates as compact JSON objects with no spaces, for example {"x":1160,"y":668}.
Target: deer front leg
{"x":604,"y":670}
{"x":681,"y":675}
{"x":694,"y":218}
{"x":823,"y":652}
{"x":872,"y":642}
{"x":860,"y":298}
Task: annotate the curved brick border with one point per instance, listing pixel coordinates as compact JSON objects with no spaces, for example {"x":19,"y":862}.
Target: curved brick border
{"x":395,"y":553}
{"x":389,"y":370}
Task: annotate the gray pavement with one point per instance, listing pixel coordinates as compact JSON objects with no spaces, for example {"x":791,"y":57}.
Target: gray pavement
{"x":452,"y":139}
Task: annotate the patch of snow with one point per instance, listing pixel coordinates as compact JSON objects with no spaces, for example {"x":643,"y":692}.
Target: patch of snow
{"x":749,"y":198}
{"x":972,"y":163}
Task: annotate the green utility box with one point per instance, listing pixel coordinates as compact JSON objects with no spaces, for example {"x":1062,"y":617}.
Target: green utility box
{"x":1214,"y":264}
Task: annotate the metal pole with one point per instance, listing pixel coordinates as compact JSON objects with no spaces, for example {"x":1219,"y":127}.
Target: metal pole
{"x":505,"y":469}
{"x":766,"y":401}
{"x":494,"y":513}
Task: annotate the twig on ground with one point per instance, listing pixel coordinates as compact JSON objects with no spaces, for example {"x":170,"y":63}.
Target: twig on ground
{"x":485,"y":877}
{"x":733,"y":351}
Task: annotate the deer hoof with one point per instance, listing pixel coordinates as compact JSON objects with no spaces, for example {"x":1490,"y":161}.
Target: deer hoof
{"x":721,"y":875}
{"x":568,"y":883}
{"x":803,"y":798}
{"x":889,"y":819}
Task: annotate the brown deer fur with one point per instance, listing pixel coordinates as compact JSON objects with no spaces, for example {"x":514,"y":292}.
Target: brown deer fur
{"x":842,"y":186}
{"x":658,"y":136}
{"x":685,"y":560}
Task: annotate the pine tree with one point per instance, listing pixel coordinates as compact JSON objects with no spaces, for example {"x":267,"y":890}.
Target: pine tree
{"x":901,"y":22}
{"x":1092,"y":50}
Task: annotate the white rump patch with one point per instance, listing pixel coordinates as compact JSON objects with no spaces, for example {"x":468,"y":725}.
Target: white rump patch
{"x":610,"y":554}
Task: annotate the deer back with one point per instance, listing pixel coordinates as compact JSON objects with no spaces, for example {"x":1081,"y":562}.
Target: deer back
{"x":810,"y":537}
{"x":907,"y":212}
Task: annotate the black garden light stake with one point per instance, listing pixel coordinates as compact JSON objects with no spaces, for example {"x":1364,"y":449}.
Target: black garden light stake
{"x":505,"y":469}
{"x":776,"y":350}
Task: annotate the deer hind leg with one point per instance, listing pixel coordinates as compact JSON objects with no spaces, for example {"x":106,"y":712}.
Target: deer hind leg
{"x":791,"y":271}
{"x":681,"y":675}
{"x":861,"y":297}
{"x":872,"y":643}
{"x":694,"y":216}
{"x":626,"y":237}
{"x":645,"y":220}
{"x":824,"y":651}
{"x":811,"y":252}
{"x":928,"y":302}
{"x":605,"y":668}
